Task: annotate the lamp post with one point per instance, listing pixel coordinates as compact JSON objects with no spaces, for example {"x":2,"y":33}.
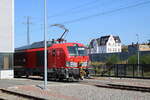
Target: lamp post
{"x":45,"y":44}
{"x":138,"y":54}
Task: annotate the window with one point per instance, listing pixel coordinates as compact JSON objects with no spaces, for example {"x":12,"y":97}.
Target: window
{"x":110,"y":49}
{"x":6,"y":62}
{"x":113,"y":49}
{"x":72,"y":50}
{"x":82,"y":51}
{"x":1,"y":62}
{"x":111,"y":39}
{"x":76,"y":51}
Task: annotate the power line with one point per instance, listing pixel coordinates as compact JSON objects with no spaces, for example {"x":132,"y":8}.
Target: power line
{"x":74,"y":8}
{"x":91,"y":7}
{"x":104,"y":13}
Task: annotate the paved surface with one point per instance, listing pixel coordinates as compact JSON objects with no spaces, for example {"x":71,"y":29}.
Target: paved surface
{"x":4,"y":83}
{"x":5,"y":96}
{"x":76,"y":90}
{"x":66,"y":91}
{"x":122,"y":81}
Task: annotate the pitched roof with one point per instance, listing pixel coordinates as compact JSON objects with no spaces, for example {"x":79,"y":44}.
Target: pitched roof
{"x":117,"y":39}
{"x":103,"y":40}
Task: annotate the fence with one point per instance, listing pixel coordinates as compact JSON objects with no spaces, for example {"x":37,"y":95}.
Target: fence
{"x":122,"y":70}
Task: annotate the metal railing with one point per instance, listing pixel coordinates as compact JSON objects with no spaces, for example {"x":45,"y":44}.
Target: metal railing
{"x":122,"y":70}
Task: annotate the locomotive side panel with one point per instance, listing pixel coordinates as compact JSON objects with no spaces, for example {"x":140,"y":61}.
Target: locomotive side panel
{"x":56,"y":58}
{"x":20,"y":59}
{"x":61,"y":58}
{"x":31,"y":60}
{"x":51,"y":58}
{"x":40,"y":59}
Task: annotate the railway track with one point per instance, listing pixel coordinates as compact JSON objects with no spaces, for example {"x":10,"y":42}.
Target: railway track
{"x":125,"y":87}
{"x":11,"y":95}
{"x":117,"y":86}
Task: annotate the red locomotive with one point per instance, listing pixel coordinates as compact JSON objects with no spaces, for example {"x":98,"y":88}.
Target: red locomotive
{"x":65,"y":60}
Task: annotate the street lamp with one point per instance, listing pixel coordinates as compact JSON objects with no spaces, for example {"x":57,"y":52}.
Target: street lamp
{"x":138,"y":54}
{"x":45,"y":44}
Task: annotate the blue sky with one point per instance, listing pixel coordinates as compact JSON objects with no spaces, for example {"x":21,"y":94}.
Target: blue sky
{"x":124,"y":23}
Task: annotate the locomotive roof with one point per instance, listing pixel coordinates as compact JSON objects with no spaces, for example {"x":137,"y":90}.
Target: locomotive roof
{"x":41,"y":45}
{"x":34,"y":45}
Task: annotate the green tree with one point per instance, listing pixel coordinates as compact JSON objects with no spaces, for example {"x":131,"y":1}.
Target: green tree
{"x":114,"y":59}
{"x":132,"y":59}
{"x":145,"y":59}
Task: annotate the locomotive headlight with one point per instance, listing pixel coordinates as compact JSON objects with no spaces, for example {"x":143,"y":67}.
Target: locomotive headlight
{"x":67,"y":64}
{"x":71,"y":64}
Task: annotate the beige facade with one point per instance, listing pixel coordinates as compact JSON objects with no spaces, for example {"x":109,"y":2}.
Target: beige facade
{"x":144,"y":47}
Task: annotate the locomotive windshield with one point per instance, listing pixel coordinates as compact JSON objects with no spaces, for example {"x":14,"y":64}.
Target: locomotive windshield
{"x":76,"y":51}
{"x":81,"y":51}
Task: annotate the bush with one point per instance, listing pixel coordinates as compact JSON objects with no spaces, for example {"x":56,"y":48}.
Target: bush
{"x":132,"y":59}
{"x":114,"y":59}
{"x":143,"y":59}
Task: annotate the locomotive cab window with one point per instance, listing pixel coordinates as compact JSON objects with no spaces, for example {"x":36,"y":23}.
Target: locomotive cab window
{"x":82,"y":51}
{"x":72,"y":50}
{"x":76,"y":51}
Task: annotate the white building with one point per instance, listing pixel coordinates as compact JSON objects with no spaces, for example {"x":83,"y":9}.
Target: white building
{"x":6,"y":38}
{"x":105,"y":44}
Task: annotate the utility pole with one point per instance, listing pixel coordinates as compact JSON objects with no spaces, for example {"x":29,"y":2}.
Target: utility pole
{"x":138,"y":53}
{"x":28,"y":22}
{"x":45,"y":44}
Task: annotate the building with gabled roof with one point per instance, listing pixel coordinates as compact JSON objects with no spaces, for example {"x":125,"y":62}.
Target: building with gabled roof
{"x":105,"y":44}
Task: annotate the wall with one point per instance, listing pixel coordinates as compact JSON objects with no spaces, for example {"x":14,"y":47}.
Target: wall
{"x":6,"y":74}
{"x":6,"y":38}
{"x":6,"y":26}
